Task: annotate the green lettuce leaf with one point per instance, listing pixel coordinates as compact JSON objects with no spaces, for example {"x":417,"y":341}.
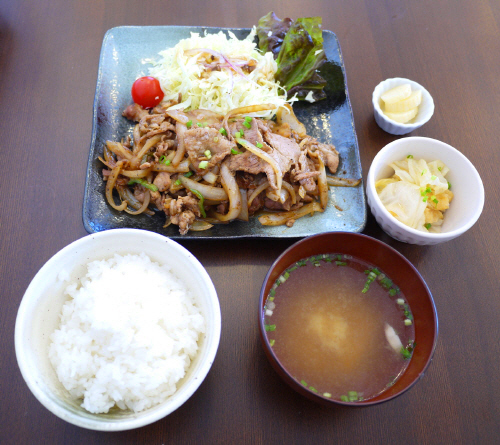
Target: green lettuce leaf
{"x":298,"y":50}
{"x":271,"y":31}
{"x":315,"y":84}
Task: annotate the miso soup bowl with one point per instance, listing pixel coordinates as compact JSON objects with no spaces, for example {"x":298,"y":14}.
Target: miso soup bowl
{"x":401,"y":272}
{"x":38,"y":317}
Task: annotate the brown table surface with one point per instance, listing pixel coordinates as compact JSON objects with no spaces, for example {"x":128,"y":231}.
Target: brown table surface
{"x":49,"y":53}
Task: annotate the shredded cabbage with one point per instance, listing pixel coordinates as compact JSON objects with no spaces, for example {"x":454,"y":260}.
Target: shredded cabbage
{"x":189,"y":73}
{"x":417,"y":194}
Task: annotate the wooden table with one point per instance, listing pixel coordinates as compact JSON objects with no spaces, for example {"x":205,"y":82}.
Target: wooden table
{"x":49,"y":52}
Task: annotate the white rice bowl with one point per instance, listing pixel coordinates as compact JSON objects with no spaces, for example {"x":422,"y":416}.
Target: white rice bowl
{"x":40,"y":316}
{"x":127,"y":336}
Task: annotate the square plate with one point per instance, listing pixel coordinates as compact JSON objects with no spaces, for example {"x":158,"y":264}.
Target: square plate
{"x":124,"y":57}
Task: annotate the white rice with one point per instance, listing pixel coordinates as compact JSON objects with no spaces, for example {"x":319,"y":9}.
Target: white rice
{"x":127,"y":336}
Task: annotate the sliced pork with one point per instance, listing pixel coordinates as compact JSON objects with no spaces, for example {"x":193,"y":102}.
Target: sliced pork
{"x":206,"y":144}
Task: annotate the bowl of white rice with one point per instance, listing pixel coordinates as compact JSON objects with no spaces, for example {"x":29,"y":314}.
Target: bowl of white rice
{"x":117,"y":330}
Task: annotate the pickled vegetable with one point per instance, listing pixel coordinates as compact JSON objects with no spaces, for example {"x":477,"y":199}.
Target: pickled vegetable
{"x":396,"y":94}
{"x":404,"y":117}
{"x":406,"y":104}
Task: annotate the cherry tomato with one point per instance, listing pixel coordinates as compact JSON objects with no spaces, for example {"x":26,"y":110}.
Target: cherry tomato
{"x":146,"y":92}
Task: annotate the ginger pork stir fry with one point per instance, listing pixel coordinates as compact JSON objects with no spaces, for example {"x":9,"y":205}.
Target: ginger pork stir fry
{"x":201,"y":168}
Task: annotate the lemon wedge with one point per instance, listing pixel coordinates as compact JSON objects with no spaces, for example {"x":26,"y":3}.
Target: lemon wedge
{"x":406,"y":104}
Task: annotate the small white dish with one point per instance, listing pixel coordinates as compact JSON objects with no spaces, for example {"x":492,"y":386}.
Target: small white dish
{"x":40,"y":308}
{"x":467,"y":187}
{"x":425,"y":109}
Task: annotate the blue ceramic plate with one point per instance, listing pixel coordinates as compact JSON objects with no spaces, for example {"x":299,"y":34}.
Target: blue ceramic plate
{"x":124,"y":57}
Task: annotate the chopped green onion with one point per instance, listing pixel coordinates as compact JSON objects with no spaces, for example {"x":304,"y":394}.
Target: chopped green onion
{"x":188,"y":174}
{"x":428,"y":190}
{"x":259,"y":145}
{"x":286,"y":275}
{"x":423,"y":172}
{"x":372,"y":275}
{"x":313,"y":389}
{"x":271,"y":342}
{"x":270,"y":327}
{"x":428,"y":226}
{"x":424,"y":199}
{"x":216,"y":139}
{"x":272,"y":292}
{"x":301,"y":263}
{"x":435,"y":201}
{"x":449,"y":185}
{"x":200,"y":202}
{"x":208,"y":153}
{"x":405,"y":353}
{"x":410,"y":156}
{"x":407,"y":312}
{"x":303,"y":382}
{"x":408,"y":322}
{"x":386,"y":282}
{"x":164,"y":160}
{"x":393,"y":292}
{"x":235,"y":152}
{"x":203,"y":164}
{"x":223,"y":131}
{"x":238,"y":134}
{"x":352,"y":395}
{"x":327,"y":394}
{"x":178,"y":182}
{"x":247,"y":124}
{"x":340,"y":263}
{"x":400,"y":301}
{"x":144,"y":183}
{"x":433,"y":177}
{"x":282,"y":279}
{"x":200,"y":124}
{"x":189,"y":123}
{"x":344,"y":398}
{"x":440,"y":168}
{"x":248,"y":119}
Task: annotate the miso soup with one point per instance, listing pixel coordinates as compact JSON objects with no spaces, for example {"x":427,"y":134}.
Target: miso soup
{"x":340,"y":327}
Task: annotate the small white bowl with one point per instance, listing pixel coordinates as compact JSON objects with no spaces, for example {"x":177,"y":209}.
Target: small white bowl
{"x":38,"y":317}
{"x":425,"y":109}
{"x":467,"y":187}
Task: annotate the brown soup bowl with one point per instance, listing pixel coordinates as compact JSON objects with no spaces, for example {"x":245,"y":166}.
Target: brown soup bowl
{"x":392,"y":263}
